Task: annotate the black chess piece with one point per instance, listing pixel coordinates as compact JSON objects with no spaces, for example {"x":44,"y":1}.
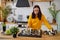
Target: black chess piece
{"x":53,"y":32}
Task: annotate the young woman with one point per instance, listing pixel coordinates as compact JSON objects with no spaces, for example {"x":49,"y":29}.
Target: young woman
{"x":37,"y":18}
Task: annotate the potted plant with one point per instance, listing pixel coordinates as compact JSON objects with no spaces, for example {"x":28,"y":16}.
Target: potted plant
{"x":53,"y":12}
{"x":4,"y":27}
{"x":5,"y":11}
{"x":14,"y":31}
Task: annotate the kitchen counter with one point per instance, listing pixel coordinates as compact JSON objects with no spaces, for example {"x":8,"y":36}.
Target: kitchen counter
{"x":44,"y":37}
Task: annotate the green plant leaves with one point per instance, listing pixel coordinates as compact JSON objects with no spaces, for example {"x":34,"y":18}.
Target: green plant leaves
{"x":4,"y":25}
{"x":53,"y":10}
{"x":14,"y":30}
{"x":5,"y":11}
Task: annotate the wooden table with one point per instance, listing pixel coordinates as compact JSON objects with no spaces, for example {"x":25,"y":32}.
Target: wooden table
{"x":44,"y":37}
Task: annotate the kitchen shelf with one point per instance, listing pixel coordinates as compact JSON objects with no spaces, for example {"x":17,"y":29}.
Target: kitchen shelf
{"x":40,"y":0}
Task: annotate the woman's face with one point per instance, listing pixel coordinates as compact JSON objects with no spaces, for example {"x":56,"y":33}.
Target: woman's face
{"x":36,"y":10}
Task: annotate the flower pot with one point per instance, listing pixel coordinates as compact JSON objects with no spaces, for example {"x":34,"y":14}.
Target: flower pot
{"x":14,"y":35}
{"x":4,"y":28}
{"x":54,"y":20}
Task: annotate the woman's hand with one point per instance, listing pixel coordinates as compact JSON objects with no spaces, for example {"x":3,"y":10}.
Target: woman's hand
{"x":27,"y":26}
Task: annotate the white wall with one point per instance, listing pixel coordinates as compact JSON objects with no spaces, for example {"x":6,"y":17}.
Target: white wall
{"x":24,"y":12}
{"x":57,"y":2}
{"x":28,"y":10}
{"x":44,"y":8}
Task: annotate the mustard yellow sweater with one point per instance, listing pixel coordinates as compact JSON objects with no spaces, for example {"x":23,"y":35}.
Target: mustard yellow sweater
{"x":36,"y":23}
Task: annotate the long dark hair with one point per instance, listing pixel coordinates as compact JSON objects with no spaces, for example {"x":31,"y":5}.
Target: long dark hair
{"x":39,"y":13}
